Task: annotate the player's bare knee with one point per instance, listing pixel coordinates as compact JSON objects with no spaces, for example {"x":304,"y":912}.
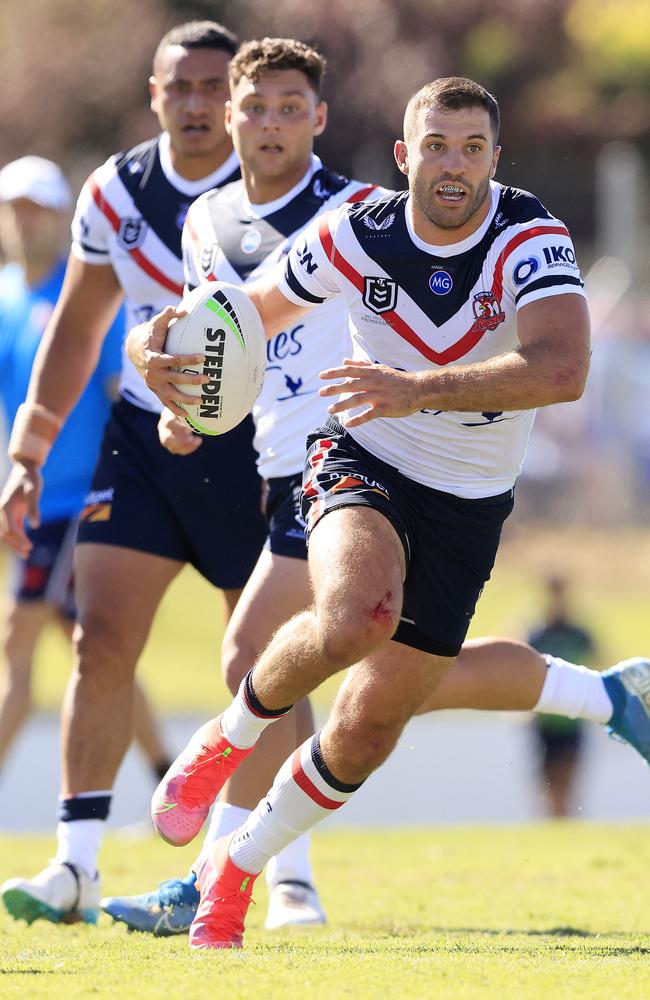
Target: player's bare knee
{"x":354,"y":632}
{"x":17,"y":689}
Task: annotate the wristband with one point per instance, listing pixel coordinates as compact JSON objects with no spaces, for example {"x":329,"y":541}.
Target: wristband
{"x":33,"y":433}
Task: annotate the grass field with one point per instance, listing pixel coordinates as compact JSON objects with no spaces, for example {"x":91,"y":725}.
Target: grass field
{"x":611,"y":574}
{"x":549,"y":911}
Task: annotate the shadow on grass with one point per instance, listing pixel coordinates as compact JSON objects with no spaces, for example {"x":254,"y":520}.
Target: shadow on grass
{"x":32,"y":972}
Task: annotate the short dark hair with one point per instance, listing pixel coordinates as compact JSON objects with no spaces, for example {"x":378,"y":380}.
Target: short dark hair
{"x":453,"y":93}
{"x":198,"y":35}
{"x":266,"y":55}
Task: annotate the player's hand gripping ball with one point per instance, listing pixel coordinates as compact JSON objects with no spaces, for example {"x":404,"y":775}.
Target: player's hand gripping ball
{"x":223,"y":324}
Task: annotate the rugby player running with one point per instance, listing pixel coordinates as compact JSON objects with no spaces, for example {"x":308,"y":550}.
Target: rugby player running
{"x":148,"y":512}
{"x":384,"y":525}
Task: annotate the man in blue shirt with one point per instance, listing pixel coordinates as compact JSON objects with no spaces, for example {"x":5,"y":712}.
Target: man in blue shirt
{"x":35,"y":199}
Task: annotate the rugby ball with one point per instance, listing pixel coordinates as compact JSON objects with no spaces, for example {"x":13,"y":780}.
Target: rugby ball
{"x":223,"y":324}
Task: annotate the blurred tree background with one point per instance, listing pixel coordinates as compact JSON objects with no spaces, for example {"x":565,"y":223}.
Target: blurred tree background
{"x":573,"y":80}
{"x":571,"y":75}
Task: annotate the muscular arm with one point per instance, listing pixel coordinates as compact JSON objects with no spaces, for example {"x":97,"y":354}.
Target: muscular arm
{"x":276,"y":310}
{"x":550,"y":365}
{"x":71,"y":344}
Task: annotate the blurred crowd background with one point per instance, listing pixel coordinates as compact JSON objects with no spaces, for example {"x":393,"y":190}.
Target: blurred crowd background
{"x":573,"y":81}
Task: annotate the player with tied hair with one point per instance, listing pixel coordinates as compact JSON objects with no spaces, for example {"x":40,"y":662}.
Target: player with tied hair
{"x":148,"y":512}
{"x":431,"y":517}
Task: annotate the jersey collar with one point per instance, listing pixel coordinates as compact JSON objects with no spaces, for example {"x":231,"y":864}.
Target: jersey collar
{"x":261,"y":211}
{"x":452,"y":249}
{"x":193,"y":188}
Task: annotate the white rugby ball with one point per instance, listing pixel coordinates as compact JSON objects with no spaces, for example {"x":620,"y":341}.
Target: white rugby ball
{"x":223,"y":324}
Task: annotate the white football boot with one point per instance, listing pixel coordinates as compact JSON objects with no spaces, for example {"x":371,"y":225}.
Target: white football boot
{"x":62,"y":893}
{"x":293,"y":904}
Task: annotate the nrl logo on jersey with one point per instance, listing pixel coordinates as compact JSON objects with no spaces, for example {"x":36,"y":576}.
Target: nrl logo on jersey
{"x":206,"y":261}
{"x":487,"y":310}
{"x":132,"y":233}
{"x":379,"y":226}
{"x":380,"y":294}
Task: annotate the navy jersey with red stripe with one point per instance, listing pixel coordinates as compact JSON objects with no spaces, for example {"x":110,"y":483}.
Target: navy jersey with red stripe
{"x":130,"y":215}
{"x":415,"y":306}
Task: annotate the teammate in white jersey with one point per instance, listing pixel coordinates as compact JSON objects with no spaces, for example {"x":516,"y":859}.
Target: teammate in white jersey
{"x":148,"y":512}
{"x":494,"y":674}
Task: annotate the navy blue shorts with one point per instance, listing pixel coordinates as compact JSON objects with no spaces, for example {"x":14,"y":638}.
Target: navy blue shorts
{"x":286,"y":527}
{"x":46,"y":574}
{"x":450,"y":543}
{"x":203,"y":509}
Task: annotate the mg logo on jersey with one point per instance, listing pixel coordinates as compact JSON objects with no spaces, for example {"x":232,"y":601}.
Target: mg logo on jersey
{"x":441,"y":283}
{"x":132,"y":233}
{"x":380,"y":294}
{"x":487,"y":310}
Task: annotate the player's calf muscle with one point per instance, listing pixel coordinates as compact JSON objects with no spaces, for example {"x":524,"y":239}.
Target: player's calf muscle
{"x":355,"y":747}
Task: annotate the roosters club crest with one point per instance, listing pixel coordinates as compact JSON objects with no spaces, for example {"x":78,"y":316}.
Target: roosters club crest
{"x":487,"y":310}
{"x":380,"y":294}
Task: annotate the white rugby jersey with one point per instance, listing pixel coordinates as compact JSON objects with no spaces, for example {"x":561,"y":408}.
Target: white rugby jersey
{"x":226,"y":238}
{"x":130,"y":214}
{"x":415,"y":306}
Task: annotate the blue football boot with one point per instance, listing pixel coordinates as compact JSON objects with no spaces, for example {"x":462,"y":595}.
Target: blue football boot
{"x":628,"y":686}
{"x":170,"y":909}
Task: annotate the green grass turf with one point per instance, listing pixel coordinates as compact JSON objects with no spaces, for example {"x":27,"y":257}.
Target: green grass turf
{"x":611,"y":575}
{"x":545,"y":911}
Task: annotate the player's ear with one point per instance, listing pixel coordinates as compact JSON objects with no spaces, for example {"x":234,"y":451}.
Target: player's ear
{"x":401,"y":156}
{"x":320,"y":118}
{"x":153,"y":93}
{"x":495,"y":160}
{"x":227,"y":110}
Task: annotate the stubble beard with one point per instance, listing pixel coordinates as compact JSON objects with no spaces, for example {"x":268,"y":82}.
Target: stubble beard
{"x":443,"y":218}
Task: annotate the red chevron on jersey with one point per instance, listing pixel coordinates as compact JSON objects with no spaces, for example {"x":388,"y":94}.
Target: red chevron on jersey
{"x":362,"y":194}
{"x":394,"y":320}
{"x":137,"y":255}
{"x":480,"y":326}
{"x":516,"y":241}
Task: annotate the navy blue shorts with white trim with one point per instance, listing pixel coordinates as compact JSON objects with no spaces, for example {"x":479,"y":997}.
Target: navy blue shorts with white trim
{"x":450,"y":542}
{"x":203,"y":509}
{"x":282,"y":506}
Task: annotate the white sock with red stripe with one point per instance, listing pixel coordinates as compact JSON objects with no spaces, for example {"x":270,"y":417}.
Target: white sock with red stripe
{"x":291,"y":865}
{"x":245,"y":719}
{"x":303,"y":793}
